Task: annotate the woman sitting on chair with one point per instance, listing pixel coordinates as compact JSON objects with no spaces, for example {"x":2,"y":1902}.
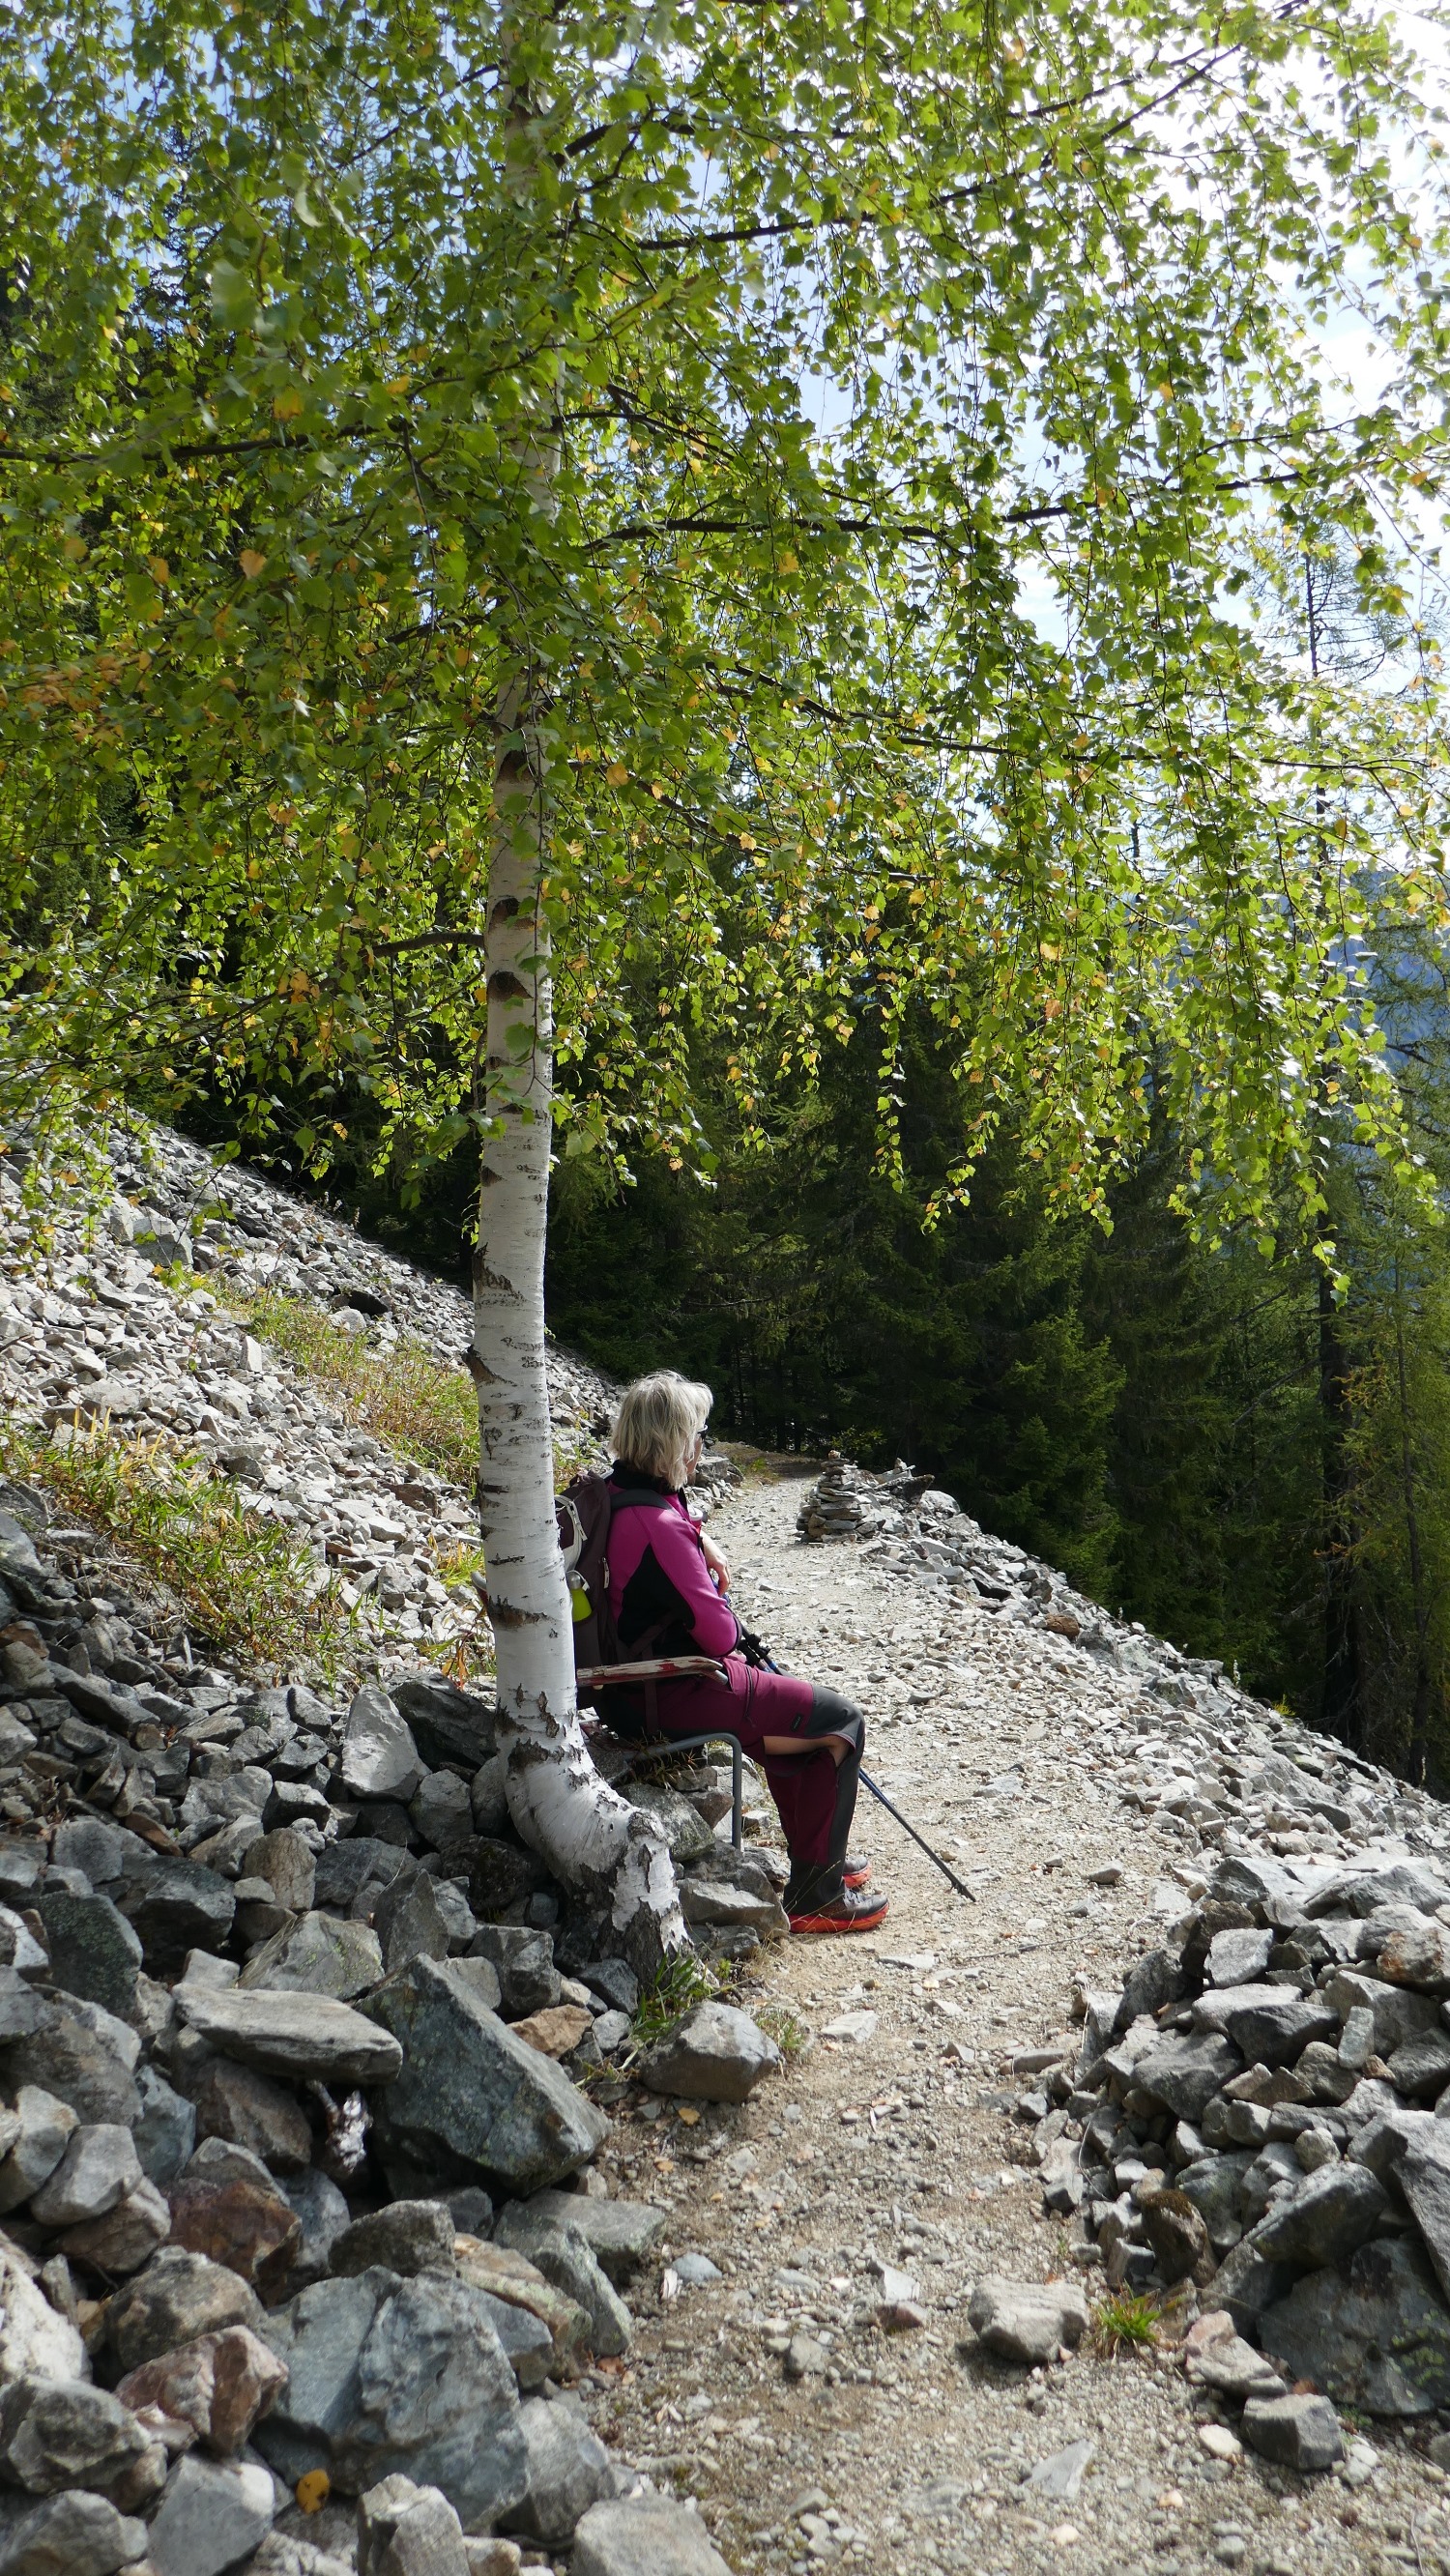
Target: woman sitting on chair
{"x":668,"y":1588}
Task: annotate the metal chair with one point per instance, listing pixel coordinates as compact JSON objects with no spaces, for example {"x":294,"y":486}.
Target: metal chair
{"x":653,"y":1748}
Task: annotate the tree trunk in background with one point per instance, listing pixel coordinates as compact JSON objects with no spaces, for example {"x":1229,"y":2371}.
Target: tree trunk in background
{"x":1419,"y":1753}
{"x":1341,"y":1701}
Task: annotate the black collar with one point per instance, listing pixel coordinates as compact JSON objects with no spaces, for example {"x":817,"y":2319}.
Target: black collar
{"x":621,"y":1473}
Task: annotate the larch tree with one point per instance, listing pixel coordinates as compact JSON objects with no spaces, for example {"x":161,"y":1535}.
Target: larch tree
{"x":526,"y":529}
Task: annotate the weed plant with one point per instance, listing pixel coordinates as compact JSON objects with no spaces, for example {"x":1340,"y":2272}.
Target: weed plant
{"x":1124,"y":2322}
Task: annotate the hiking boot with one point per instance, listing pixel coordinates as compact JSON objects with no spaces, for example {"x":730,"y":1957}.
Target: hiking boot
{"x":857,"y":1873}
{"x":847,"y":1912}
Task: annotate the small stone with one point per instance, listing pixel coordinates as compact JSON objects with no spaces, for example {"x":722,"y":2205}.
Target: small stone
{"x":488,"y":1796}
{"x":379,"y":1756}
{"x":805,"y":2358}
{"x":213,"y":2513}
{"x":528,"y":1979}
{"x":1220,"y":2443}
{"x":126,"y":2237}
{"x":407,"y":2237}
{"x":1238,"y":1957}
{"x":73,"y":2534}
{"x":93,"y":1949}
{"x":218,"y":2387}
{"x":285,"y":1859}
{"x":243,"y":2108}
{"x":568,"y":2470}
{"x":554,"y":2032}
{"x":440,"y":1811}
{"x":1235,"y":2369}
{"x":647,"y":2536}
{"x":696,"y":2271}
{"x":1295,"y":2432}
{"x":180,"y":1906}
{"x":319,"y":1954}
{"x":99,"y":2167}
{"x":1026,"y":2321}
{"x":565,"y":2257}
{"x":408,"y":2530}
{"x":510,"y":2281}
{"x":242,"y":2224}
{"x":409,"y":1922}
{"x":58,"y":2433}
{"x":323,"y":2215}
{"x":1060,"y":2477}
{"x":622,"y":2234}
{"x":178,"y":2297}
{"x":716,"y":2054}
{"x":856,"y":2028}
{"x":1178,"y":2236}
{"x":165,"y":2134}
{"x":46,"y":2126}
{"x":83,"y":2055}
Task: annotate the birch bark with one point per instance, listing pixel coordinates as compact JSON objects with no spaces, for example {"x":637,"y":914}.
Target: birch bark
{"x":614,"y":1858}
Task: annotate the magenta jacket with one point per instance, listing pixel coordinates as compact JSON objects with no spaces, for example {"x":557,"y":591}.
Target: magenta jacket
{"x":659,"y":1584}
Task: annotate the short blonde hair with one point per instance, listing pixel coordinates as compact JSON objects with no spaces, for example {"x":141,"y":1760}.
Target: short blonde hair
{"x":658,"y":1422}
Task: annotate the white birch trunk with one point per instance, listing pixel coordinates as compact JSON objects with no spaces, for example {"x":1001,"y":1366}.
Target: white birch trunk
{"x":611,"y":1856}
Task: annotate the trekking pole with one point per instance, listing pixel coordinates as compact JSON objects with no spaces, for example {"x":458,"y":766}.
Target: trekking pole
{"x":949,"y":1874}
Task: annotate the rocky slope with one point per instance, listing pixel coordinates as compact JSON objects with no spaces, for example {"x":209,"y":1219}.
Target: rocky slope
{"x":346,"y":2224}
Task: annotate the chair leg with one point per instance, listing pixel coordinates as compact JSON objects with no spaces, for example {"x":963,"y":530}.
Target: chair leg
{"x":737,"y":1794}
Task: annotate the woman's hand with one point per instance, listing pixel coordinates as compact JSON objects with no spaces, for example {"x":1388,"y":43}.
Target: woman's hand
{"x":719,"y":1570}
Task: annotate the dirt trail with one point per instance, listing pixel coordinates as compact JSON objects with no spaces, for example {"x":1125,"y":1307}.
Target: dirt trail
{"x":895,"y":2146}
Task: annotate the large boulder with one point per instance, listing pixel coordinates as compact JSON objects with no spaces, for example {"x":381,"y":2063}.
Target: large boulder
{"x":407,"y":2376}
{"x":308,"y":2038}
{"x":471,"y":2099}
{"x":1373,"y":2334}
{"x":1184,"y":2073}
{"x":83,"y":2055}
{"x":449,"y":1725}
{"x":716,"y":2054}
{"x":176,"y":1906}
{"x":1325,"y":2220}
{"x":94,"y":1951}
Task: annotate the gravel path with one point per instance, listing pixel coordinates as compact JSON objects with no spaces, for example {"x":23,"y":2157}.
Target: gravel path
{"x":892,"y":2144}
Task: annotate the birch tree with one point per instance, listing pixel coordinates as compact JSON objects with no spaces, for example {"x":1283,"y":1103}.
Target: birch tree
{"x":522,"y":533}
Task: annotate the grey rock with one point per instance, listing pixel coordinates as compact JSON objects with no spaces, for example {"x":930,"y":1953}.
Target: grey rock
{"x":1423,"y":2174}
{"x":179,"y":1906}
{"x":716,"y":2054}
{"x":303,"y":2036}
{"x":611,"y":2030}
{"x":319,"y":1954}
{"x":565,"y":2257}
{"x":525,"y":2339}
{"x":35,"y":2341}
{"x":481,"y":1978}
{"x":1362,"y":1892}
{"x":100,"y":1850}
{"x":409,"y":1923}
{"x":407,"y":2237}
{"x":1325,"y":2220}
{"x":407,"y":2530}
{"x":615,"y":1981}
{"x":1247,"y":2283}
{"x":1269,"y":2025}
{"x":22,"y":2010}
{"x":1234,"y":2369}
{"x":1295,"y":2432}
{"x":488,"y":1796}
{"x":1060,"y":2477}
{"x":712,"y":1901}
{"x":440,"y":1811}
{"x":177,"y":2298}
{"x":99,"y":2167}
{"x":94,"y":1951}
{"x":165,"y":2133}
{"x":19,"y":1948}
{"x":83,"y":2055}
{"x":806,"y":2356}
{"x":214,"y":2512}
{"x":449,"y":1725}
{"x":324,"y":2215}
{"x":1185,"y":2073}
{"x":286,"y":1860}
{"x":46,"y":2126}
{"x":240,"y":2107}
{"x":528,"y":1979}
{"x":1373,"y":2335}
{"x":459,"y":1919}
{"x":1213,"y":2184}
{"x":567,"y":2467}
{"x":379,"y":1756}
{"x":58,"y":2433}
{"x":686,"y":1831}
{"x":122,"y":2240}
{"x":1238,"y":1957}
{"x":75,"y":2534}
{"x":650,"y":2536}
{"x":471,"y":2098}
{"x":1154,"y":1980}
{"x":1420,"y":2067}
{"x":397,"y":2376}
{"x":696,"y":2271}
{"x":1027,"y":2321}
{"x":1398,"y":2014}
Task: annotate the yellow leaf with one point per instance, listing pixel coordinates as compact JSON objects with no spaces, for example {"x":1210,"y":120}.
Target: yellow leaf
{"x":251,"y":562}
{"x":787,"y":562}
{"x":287,"y":404}
{"x":158,"y":568}
{"x":313,"y":2490}
{"x":76,"y":548}
{"x":747,"y":840}
{"x":616,"y":774}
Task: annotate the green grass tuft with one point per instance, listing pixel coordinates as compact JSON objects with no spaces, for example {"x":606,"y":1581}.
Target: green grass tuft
{"x":242,"y":1585}
{"x":1124,"y":2322}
